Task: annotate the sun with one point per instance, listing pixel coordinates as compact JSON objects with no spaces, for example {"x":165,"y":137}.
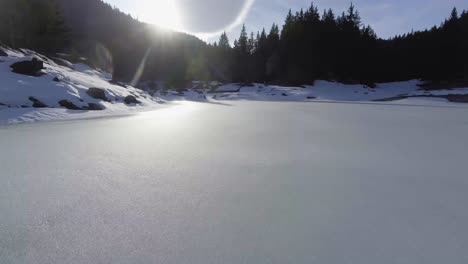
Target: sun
{"x":162,"y":13}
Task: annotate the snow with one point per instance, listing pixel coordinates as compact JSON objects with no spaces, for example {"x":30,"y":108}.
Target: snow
{"x":329,"y":91}
{"x":76,"y":79}
{"x":16,"y":89}
{"x":240,"y":182}
{"x":230,"y":174}
{"x":11,"y":116}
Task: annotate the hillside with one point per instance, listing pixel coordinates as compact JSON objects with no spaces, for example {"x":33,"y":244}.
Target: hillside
{"x":62,"y":86}
{"x":96,"y":28}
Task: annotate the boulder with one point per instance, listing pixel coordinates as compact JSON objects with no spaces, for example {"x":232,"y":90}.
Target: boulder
{"x":69,"y":105}
{"x":94,"y":107}
{"x":31,"y":68}
{"x":131,"y":100}
{"x":37,"y":103}
{"x":97,"y":93}
{"x":56,"y":79}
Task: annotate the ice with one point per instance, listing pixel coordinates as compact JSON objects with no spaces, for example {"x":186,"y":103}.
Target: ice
{"x":240,"y":182}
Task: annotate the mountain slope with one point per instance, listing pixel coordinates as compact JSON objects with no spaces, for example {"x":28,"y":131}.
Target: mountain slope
{"x":96,"y":26}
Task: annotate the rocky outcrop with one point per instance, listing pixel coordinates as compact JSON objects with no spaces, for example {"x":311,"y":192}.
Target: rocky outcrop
{"x":97,"y":93}
{"x":37,"y":103}
{"x":69,"y":105}
{"x":31,"y":68}
{"x":131,"y":100}
{"x":94,"y":107}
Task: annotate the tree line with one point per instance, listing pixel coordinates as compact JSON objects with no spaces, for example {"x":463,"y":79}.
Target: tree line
{"x":311,"y":45}
{"x":33,"y":24}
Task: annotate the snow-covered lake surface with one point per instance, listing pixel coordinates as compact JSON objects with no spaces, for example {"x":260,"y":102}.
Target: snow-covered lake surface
{"x":240,"y":182}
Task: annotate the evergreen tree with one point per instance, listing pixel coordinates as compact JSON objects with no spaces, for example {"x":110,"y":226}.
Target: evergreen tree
{"x":251,"y":44}
{"x":224,"y":41}
{"x":241,"y":57}
{"x":242,"y":42}
{"x":33,"y":24}
{"x":454,"y":15}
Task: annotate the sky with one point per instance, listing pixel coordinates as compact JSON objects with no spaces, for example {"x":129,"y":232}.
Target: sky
{"x":207,"y":19}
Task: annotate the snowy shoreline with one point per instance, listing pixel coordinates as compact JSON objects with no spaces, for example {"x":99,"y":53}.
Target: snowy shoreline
{"x":70,"y":85}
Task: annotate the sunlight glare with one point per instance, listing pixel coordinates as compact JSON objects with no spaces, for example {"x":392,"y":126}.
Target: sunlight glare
{"x":162,"y":13}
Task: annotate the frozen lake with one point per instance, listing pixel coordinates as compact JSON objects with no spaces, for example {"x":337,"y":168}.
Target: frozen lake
{"x":245,"y":182}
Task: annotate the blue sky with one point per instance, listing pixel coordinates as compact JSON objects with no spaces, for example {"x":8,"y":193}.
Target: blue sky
{"x":206,"y":18}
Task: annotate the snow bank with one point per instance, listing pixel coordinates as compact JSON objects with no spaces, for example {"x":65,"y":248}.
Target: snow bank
{"x":332,"y":91}
{"x":69,"y":82}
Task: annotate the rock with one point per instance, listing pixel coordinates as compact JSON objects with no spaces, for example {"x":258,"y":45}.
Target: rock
{"x":69,"y":105}
{"x":94,"y":107}
{"x":3,"y":53}
{"x":37,"y":103}
{"x":457,"y":98}
{"x":131,"y":100}
{"x":56,"y":79}
{"x":284,"y":94}
{"x":97,"y":93}
{"x":311,"y":97}
{"x":31,"y":68}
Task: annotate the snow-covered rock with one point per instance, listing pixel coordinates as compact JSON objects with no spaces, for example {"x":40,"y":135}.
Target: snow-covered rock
{"x":64,"y":86}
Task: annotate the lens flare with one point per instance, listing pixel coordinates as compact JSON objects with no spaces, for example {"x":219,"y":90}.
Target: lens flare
{"x":170,"y":14}
{"x":238,"y":21}
{"x":141,"y":68}
{"x":104,"y":58}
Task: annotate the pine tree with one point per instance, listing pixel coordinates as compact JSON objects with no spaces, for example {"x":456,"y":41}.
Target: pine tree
{"x":288,"y":24}
{"x":242,"y":42}
{"x":224,"y":41}
{"x":328,"y":17}
{"x":312,"y":14}
{"x":353,"y":17}
{"x":454,"y":14}
{"x":251,"y":44}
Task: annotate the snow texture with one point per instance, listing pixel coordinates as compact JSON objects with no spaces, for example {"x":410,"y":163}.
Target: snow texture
{"x":240,"y":182}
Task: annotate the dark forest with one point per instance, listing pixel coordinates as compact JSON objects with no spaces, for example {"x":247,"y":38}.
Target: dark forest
{"x":311,"y":45}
